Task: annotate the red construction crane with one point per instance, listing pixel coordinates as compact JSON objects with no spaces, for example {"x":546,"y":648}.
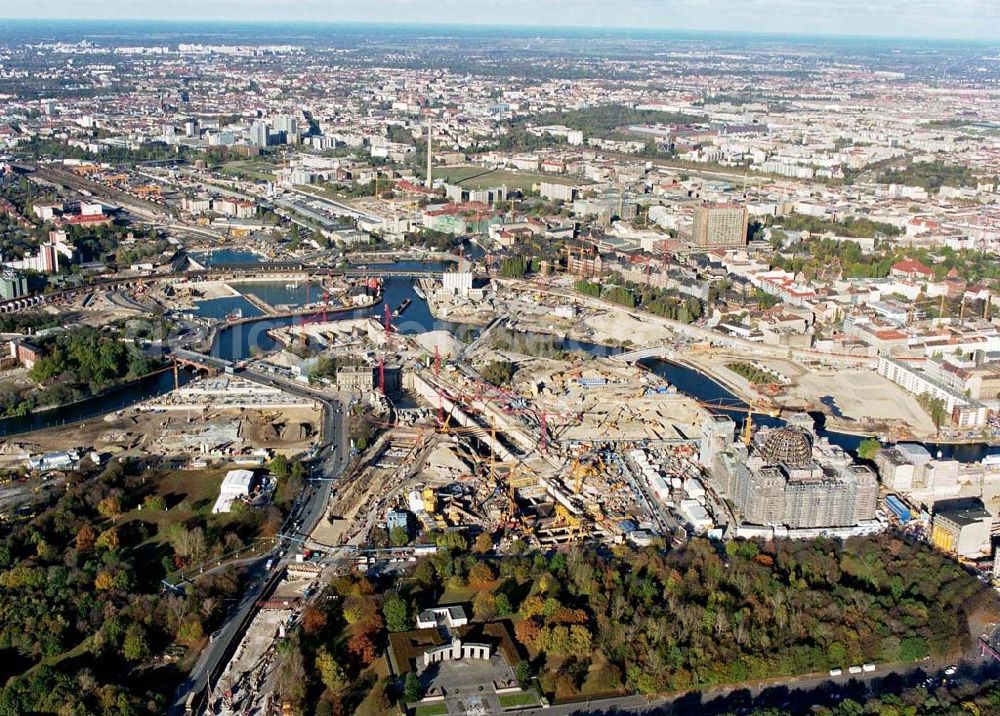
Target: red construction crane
{"x":508,"y":402}
{"x":388,"y":320}
{"x":320,"y":316}
{"x":543,"y":430}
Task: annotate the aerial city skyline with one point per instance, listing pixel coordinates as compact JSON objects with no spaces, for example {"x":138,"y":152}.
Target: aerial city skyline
{"x":459,"y":359}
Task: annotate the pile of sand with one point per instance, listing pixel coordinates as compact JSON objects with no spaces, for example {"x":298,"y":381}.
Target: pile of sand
{"x":443,"y":341}
{"x":443,"y":463}
{"x":285,"y":359}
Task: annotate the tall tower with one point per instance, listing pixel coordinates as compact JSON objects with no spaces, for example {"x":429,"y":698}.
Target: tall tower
{"x":430,"y":154}
{"x":717,"y":436}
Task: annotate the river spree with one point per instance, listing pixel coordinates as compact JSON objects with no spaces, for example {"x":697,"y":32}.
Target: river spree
{"x":244,"y":340}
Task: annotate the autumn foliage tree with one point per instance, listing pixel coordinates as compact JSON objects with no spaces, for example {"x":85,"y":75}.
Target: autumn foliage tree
{"x":313,"y":619}
{"x":481,"y":576}
{"x":527,"y":631}
{"x":110,"y":506}
{"x":85,"y":538}
{"x":360,"y":646}
{"x":701,"y":615}
{"x":330,"y":671}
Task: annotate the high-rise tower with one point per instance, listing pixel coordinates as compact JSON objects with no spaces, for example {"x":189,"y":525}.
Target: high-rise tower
{"x":430,"y":155}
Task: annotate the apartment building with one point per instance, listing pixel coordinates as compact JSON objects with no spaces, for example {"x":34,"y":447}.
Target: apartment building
{"x":719,"y":225}
{"x":965,"y":412}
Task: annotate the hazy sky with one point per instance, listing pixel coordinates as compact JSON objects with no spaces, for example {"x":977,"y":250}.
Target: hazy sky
{"x":914,"y":18}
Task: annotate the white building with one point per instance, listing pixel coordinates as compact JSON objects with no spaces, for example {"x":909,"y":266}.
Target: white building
{"x":54,"y":461}
{"x":965,"y":412}
{"x":557,"y":192}
{"x":451,"y":617}
{"x":235,"y":485}
{"x":46,"y":258}
{"x":457,"y":283}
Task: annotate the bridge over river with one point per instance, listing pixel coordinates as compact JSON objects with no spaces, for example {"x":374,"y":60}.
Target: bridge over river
{"x":280,"y":269}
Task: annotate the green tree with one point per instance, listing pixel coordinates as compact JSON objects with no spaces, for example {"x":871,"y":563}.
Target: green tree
{"x":913,"y":648}
{"x":412,"y":688}
{"x":279,"y":466}
{"x":498,"y":372}
{"x":868,"y":448}
{"x":514,"y":267}
{"x":588,"y":288}
{"x":396,"y":612}
{"x":502,"y":607}
{"x":190,"y":631}
{"x":135,"y":646}
{"x":331,"y":673}
{"x":399,"y":537}
{"x":936,"y":409}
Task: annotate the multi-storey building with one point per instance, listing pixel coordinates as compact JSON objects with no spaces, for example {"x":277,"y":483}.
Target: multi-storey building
{"x":719,"y":225}
{"x":962,"y":527}
{"x":12,"y":285}
{"x":965,"y":412}
{"x":786,"y":477}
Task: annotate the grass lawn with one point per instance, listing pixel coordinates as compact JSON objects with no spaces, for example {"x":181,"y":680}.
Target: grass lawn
{"x":525,"y":698}
{"x":189,"y":496}
{"x":187,"y":493}
{"x":483,"y":178}
{"x":439,"y":709}
{"x":457,"y":595}
{"x":249,"y":170}
{"x":321,"y":190}
{"x":198,"y":488}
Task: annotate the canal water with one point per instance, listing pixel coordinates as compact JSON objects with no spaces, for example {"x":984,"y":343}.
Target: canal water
{"x":219,"y":308}
{"x":282,"y":293}
{"x":697,"y":385}
{"x":226,"y":257}
{"x":242,"y":341}
{"x":96,"y":407}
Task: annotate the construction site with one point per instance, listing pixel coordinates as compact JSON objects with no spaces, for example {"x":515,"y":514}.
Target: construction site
{"x":573,"y":448}
{"x":247,"y":684}
{"x":221,"y":418}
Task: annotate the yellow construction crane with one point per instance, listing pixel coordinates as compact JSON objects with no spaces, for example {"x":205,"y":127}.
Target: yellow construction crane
{"x":583,"y":467}
{"x":750,"y":410}
{"x":510,"y":512}
{"x":571,"y":521}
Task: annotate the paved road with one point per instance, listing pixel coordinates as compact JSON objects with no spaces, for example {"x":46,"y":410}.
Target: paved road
{"x":303,"y":516}
{"x":796,"y":695}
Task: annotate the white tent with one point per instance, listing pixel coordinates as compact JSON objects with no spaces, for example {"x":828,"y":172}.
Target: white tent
{"x":236,"y":484}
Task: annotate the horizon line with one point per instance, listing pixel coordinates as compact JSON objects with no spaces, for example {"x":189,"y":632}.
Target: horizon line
{"x":613,"y":29}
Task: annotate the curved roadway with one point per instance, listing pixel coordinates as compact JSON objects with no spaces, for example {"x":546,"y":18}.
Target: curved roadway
{"x":305,"y":513}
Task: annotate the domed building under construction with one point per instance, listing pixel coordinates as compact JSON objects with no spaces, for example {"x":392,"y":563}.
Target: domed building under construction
{"x":787,"y":477}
